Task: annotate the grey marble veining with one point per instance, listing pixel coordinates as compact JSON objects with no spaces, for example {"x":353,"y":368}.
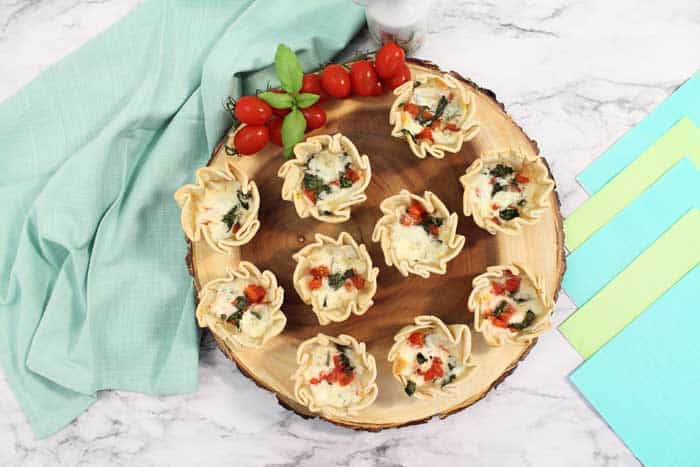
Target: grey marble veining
{"x":576,"y":74}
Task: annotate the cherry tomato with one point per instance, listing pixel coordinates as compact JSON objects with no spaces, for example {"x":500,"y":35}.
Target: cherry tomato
{"x":252,"y":110}
{"x":378,"y":89}
{"x":401,"y":76}
{"x":279,"y":112}
{"x":336,"y":81}
{"x":388,"y":59}
{"x":251,"y":139}
{"x":315,"y":117}
{"x":275,"y":126}
{"x":312,"y":83}
{"x":363,"y":78}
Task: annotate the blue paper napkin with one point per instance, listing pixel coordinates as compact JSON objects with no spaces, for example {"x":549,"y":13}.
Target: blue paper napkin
{"x":645,"y":382}
{"x":614,"y":246}
{"x":684,"y":102}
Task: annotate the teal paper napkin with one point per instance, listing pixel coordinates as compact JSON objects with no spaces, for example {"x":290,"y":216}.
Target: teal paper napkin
{"x":94,"y":293}
{"x":645,"y":381}
{"x":685,"y":102}
{"x":614,"y":246}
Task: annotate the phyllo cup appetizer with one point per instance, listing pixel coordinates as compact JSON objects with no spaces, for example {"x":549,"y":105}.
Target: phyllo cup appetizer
{"x":433,"y":114}
{"x":509,"y":305}
{"x":336,"y":375}
{"x":221,"y":207}
{"x":243,"y":308}
{"x":429,"y":357}
{"x":503,"y":190}
{"x":417,"y":234}
{"x":326,"y":177}
{"x":336,"y":277}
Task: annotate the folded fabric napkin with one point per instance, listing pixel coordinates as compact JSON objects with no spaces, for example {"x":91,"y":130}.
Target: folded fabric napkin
{"x":648,"y":277}
{"x":684,"y":102}
{"x":680,"y":141}
{"x":615,"y":245}
{"x":94,"y":293}
{"x":645,"y":381}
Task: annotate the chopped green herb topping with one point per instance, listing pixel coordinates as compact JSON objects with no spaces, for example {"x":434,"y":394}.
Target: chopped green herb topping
{"x":231,"y":217}
{"x":335,"y":281}
{"x":243,"y":199}
{"x":420,"y":358}
{"x":500,"y":308}
{"x":496,"y":188}
{"x":344,"y":359}
{"x":508,"y":214}
{"x":410,"y":388}
{"x":501,"y":171}
{"x":529,"y":318}
{"x":449,"y":379}
{"x":256,"y":314}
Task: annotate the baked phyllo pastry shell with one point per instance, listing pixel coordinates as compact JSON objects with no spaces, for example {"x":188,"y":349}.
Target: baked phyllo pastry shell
{"x":417,"y":234}
{"x":221,"y":207}
{"x":510,"y":305}
{"x":430,"y":357}
{"x":243,"y":308}
{"x":336,"y":277}
{"x":504,"y":190}
{"x":434,"y":114}
{"x":326,"y":177}
{"x":335,"y":376}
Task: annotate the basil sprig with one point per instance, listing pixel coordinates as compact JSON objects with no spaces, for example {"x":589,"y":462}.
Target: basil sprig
{"x":290,"y":75}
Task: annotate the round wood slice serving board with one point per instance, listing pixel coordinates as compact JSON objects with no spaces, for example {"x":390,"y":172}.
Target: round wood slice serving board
{"x":398,"y":300}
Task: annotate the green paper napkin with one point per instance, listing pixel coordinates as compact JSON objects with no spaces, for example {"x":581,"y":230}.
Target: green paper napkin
{"x":680,"y":141}
{"x":94,"y":293}
{"x":675,"y":253}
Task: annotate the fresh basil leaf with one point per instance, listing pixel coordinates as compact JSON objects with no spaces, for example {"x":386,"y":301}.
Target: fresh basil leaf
{"x":278,"y":100}
{"x":307,"y":99}
{"x":293,"y":127}
{"x":288,"y":69}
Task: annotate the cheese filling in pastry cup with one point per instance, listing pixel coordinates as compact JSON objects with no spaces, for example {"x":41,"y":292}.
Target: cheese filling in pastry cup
{"x":509,"y":305}
{"x":336,"y":277}
{"x":221,"y":207}
{"x":335,"y":376}
{"x":433,"y":114}
{"x":504,"y":190}
{"x":417,"y":234}
{"x":429,"y":357}
{"x":243,"y":308}
{"x":326,"y":177}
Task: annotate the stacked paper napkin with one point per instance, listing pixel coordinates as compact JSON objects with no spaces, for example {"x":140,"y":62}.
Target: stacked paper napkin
{"x":633,"y":271}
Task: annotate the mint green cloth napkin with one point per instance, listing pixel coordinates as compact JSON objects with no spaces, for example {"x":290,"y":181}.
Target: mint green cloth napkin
{"x":94,"y":293}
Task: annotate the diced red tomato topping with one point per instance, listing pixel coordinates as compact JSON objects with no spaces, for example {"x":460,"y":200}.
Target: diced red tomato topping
{"x":320,"y":272}
{"x":521,"y":178}
{"x":502,"y":320}
{"x":426,"y":114}
{"x":451,"y":127}
{"x":352,"y":175}
{"x":416,"y":339}
{"x":426,"y":133}
{"x":339,"y":374}
{"x":254,"y":293}
{"x":411,"y":108}
{"x":513,"y":283}
{"x":358,"y":281}
{"x":497,"y":288}
{"x":315,"y":283}
{"x":311,"y":195}
{"x":435,"y":371}
{"x":236,"y":227}
{"x":434,"y":229}
{"x":415,"y":210}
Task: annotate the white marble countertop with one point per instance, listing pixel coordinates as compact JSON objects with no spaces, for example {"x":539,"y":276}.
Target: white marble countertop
{"x":576,"y":74}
